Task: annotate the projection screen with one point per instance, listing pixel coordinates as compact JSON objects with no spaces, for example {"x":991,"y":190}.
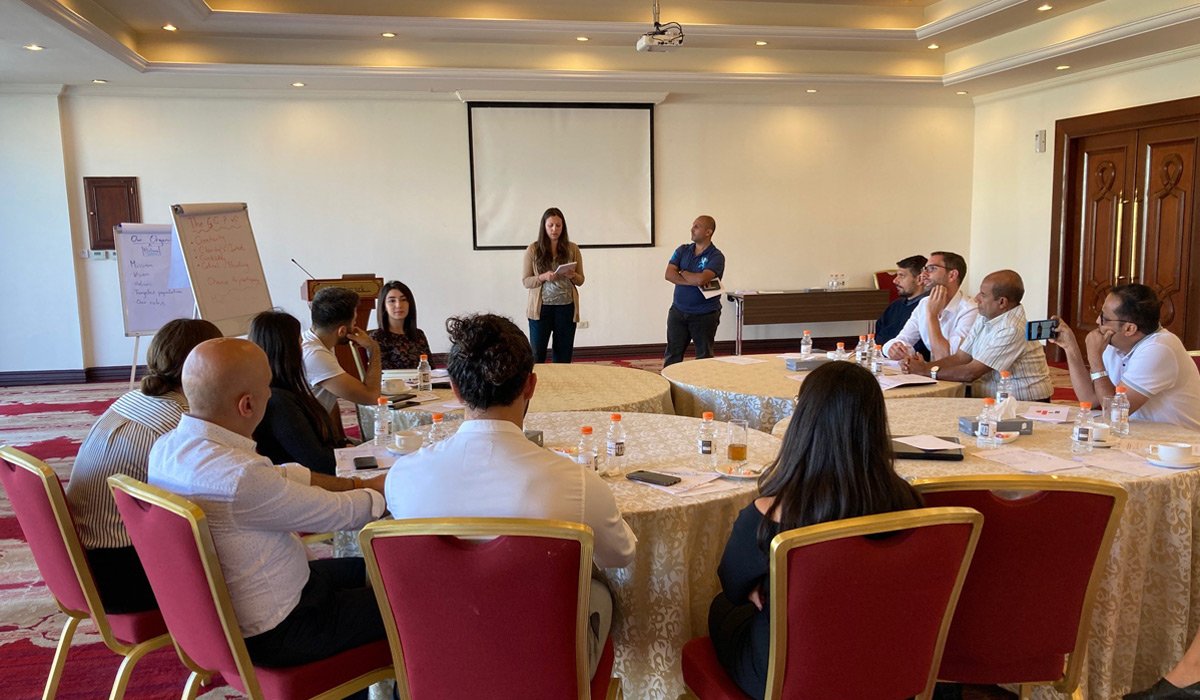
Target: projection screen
{"x":595,"y":162}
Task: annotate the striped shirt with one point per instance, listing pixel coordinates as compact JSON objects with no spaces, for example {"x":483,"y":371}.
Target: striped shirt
{"x":1000,"y":344}
{"x":119,"y":443}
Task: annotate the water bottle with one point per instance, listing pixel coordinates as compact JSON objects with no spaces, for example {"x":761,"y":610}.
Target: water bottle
{"x":862,"y":354}
{"x":586,"y":454}
{"x":437,"y":431}
{"x":840,"y":353}
{"x":870,"y":343}
{"x":706,"y":443}
{"x":614,"y":463}
{"x":1081,"y":434}
{"x":1118,"y":418}
{"x":985,"y":429}
{"x":424,"y":374}
{"x":877,"y":361}
{"x":1004,"y":386}
{"x":383,"y":422}
{"x":806,"y":344}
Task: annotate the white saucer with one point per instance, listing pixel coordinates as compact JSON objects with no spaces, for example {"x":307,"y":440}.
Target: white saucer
{"x":1102,"y":444}
{"x":1190,"y":464}
{"x":733,"y":472}
{"x":392,"y":449}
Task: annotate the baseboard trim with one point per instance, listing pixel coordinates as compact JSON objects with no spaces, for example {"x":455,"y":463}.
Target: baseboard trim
{"x":46,"y":376}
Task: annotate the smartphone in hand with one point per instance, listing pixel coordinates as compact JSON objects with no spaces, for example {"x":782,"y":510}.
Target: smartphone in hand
{"x":1041,"y":330}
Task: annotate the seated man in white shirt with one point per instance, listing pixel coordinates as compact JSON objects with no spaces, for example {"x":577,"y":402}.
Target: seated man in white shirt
{"x":996,"y":343}
{"x":489,"y":468}
{"x":942,"y":319}
{"x":1128,"y":346}
{"x":333,"y":310}
{"x":291,"y":611}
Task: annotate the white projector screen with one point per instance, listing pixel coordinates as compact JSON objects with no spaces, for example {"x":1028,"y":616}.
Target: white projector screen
{"x":593,"y":161}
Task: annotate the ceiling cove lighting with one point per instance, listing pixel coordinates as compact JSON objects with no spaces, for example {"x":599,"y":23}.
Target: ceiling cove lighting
{"x":170,"y":27}
{"x":34,"y":47}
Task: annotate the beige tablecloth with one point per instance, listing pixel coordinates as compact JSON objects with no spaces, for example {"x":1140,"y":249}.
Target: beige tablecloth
{"x":1144,"y":616}
{"x":761,"y":392}
{"x":662,"y":598}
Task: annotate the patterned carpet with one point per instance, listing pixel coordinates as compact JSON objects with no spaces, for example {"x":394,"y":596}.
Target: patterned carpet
{"x":50,"y":422}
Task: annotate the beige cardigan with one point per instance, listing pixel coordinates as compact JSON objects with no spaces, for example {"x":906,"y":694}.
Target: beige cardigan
{"x":529,"y":274}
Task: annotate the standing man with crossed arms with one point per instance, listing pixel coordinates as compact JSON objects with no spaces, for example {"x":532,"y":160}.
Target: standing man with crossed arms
{"x":691,"y":316}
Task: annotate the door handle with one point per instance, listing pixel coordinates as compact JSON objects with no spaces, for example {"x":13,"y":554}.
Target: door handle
{"x":1117,"y":244}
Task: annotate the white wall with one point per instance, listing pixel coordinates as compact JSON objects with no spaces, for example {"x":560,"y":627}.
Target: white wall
{"x":382,"y":185}
{"x":1011,"y":205}
{"x":39,"y":308}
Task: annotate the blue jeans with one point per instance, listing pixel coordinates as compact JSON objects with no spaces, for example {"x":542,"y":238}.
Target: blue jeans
{"x":557,"y":320}
{"x":683,"y":328}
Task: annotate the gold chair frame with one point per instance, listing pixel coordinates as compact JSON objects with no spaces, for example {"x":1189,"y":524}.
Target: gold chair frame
{"x":487,"y":528}
{"x":785,"y":542}
{"x":66,"y":527}
{"x":1027,"y":485}
{"x":224,"y":604}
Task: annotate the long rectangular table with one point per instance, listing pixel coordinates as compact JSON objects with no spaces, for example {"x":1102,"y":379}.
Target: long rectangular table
{"x":815,"y":305}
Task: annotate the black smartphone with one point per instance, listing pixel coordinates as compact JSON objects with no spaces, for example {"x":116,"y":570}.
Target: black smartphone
{"x":653,"y":478}
{"x":366,"y":462}
{"x":1041,"y":330}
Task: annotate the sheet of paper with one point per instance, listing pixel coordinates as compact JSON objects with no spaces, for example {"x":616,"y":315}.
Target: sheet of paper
{"x":344,"y":459}
{"x":1028,"y":461}
{"x":565,"y":268}
{"x":792,"y":356}
{"x":891,"y":381}
{"x":688,"y":480}
{"x":424,"y":397}
{"x":740,"y":360}
{"x":1125,"y":463}
{"x":796,"y":377}
{"x":928,"y":442}
{"x":712,"y":487}
{"x":453,"y":405}
{"x":1048,"y":413}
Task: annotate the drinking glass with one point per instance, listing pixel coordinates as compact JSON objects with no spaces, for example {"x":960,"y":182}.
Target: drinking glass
{"x":737,"y":450}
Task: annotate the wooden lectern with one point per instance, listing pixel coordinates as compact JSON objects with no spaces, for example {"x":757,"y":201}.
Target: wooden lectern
{"x":367,"y":287}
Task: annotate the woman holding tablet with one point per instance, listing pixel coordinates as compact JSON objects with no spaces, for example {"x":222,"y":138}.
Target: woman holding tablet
{"x":835,"y":463}
{"x":401,"y":343}
{"x":552,"y":272}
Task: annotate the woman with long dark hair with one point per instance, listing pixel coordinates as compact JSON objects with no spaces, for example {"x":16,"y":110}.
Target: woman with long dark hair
{"x":836,"y":462}
{"x":553,"y":306}
{"x":295,"y":428}
{"x":401,"y":343}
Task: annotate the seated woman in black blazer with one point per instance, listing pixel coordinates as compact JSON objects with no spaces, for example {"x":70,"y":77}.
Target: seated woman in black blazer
{"x":835,"y":462}
{"x":295,"y":428}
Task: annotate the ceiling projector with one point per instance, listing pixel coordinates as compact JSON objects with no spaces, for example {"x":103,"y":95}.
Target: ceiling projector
{"x":658,"y":41}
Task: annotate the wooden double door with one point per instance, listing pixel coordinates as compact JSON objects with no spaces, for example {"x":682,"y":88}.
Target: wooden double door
{"x":1127,"y":211}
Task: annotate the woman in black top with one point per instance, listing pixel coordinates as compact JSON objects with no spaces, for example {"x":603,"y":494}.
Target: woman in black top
{"x":835,"y":462}
{"x":294,"y":428}
{"x":401,"y":343}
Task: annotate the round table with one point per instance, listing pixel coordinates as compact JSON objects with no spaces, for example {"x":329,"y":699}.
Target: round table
{"x":662,"y":598}
{"x":1141,"y":619}
{"x":763,"y":392}
{"x":560,"y":387}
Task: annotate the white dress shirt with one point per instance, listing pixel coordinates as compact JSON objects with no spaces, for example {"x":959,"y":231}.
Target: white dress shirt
{"x":254,"y":511}
{"x":1160,"y":369}
{"x":955,"y":321}
{"x":488,"y":469}
{"x":319,"y":364}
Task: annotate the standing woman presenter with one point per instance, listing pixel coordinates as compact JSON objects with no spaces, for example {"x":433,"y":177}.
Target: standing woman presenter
{"x":553,"y":308}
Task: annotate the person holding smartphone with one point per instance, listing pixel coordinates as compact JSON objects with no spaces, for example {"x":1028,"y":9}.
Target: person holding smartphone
{"x":1128,"y":346}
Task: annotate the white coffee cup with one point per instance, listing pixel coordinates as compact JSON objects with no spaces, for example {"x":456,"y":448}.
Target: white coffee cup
{"x":407,"y":441}
{"x":1173,"y":452}
{"x":1100,"y":432}
{"x":394,"y":386}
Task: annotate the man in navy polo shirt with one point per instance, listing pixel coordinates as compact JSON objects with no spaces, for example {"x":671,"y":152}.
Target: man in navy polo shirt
{"x":692,"y":317}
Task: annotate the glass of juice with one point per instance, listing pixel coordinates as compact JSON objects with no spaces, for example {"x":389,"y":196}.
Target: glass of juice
{"x":737,"y":450}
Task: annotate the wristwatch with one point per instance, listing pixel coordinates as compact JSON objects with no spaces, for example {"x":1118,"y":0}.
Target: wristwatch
{"x":933,"y":372}
{"x":1099,"y":375}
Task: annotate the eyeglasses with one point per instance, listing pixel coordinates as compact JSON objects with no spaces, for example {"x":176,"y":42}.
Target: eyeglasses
{"x":931,"y":267}
{"x":1111,"y":320}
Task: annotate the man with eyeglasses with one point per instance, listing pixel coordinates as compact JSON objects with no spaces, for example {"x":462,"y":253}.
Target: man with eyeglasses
{"x":942,"y":319}
{"x":911,"y":288}
{"x":996,"y":343}
{"x":1128,"y":346}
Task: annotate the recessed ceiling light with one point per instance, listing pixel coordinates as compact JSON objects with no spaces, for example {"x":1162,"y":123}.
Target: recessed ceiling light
{"x":170,"y":27}
{"x":1043,"y":8}
{"x":99,"y":81}
{"x":961,"y":92}
{"x":811,"y":90}
{"x":297,"y":84}
{"x":33,"y":47}
{"x":388,"y":35}
{"x":581,"y":38}
{"x":760,"y":43}
{"x":933,"y":46}
{"x":1062,"y":68}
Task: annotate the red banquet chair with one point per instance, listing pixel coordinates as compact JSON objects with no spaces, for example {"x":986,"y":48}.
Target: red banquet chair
{"x":487,"y":607}
{"x":859,"y":608}
{"x":1056,"y":532}
{"x":886,"y":279}
{"x":40,"y":505}
{"x":172,"y":538}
